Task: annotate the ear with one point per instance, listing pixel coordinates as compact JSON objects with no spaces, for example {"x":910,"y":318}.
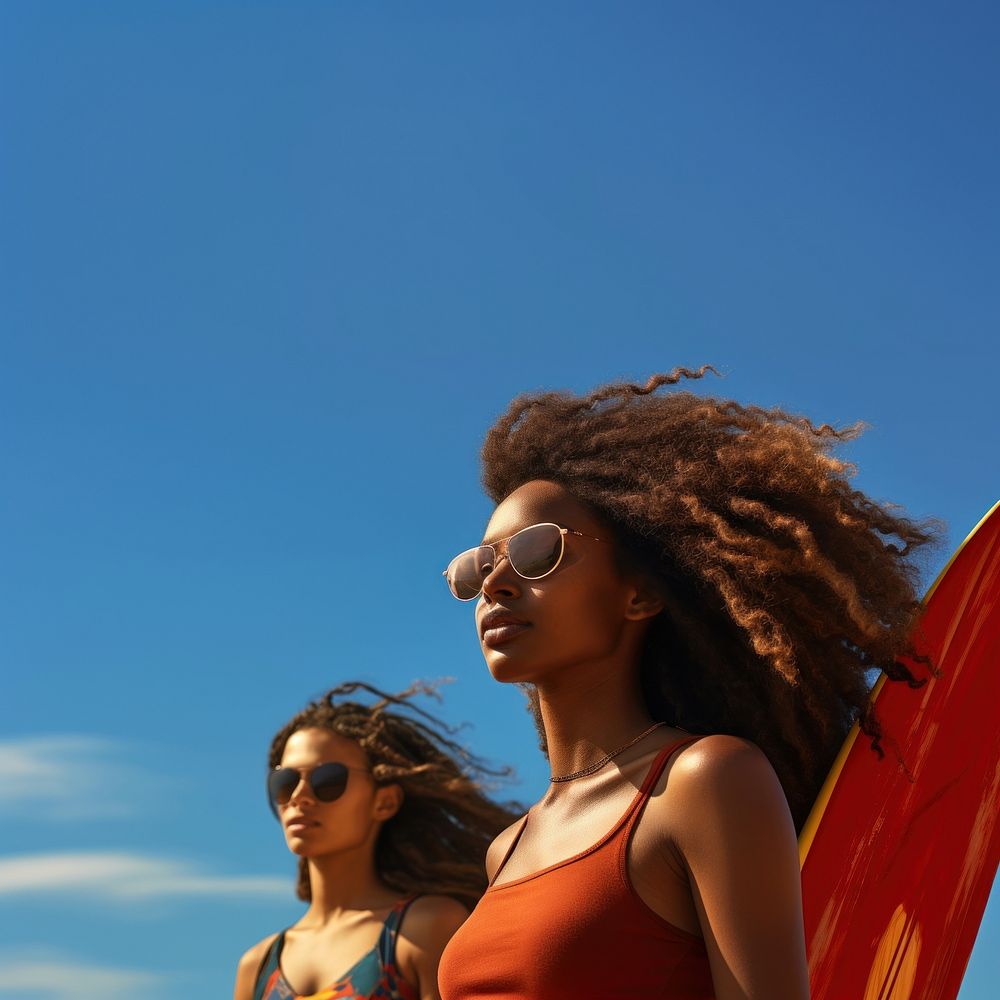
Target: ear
{"x":645,"y":601}
{"x":388,"y":801}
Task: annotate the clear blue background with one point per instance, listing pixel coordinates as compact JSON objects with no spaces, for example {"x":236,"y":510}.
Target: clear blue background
{"x":269,"y":270}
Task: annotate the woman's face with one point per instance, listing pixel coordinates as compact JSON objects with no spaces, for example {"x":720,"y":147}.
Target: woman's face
{"x":586,"y":611}
{"x":313,"y":828}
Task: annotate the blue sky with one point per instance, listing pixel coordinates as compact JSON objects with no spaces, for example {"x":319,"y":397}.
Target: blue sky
{"x":269,"y":271}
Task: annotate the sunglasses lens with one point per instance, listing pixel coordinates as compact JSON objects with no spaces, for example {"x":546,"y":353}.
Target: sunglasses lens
{"x":535,"y":551}
{"x":468,"y":570}
{"x":328,"y":781}
{"x":280,"y":785}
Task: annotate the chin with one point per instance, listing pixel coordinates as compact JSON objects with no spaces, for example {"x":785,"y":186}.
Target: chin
{"x":308,"y":851}
{"x":306,"y":847}
{"x":508,"y":669}
{"x":503,"y":675}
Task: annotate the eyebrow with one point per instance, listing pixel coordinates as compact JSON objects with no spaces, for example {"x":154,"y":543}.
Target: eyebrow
{"x":500,"y":538}
{"x":533,"y":523}
{"x":312,"y":767}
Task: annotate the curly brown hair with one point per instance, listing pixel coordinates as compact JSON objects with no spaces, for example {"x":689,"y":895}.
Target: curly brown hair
{"x":437,"y":841}
{"x":784,"y":587}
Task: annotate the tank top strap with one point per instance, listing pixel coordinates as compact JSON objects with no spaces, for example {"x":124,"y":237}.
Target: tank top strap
{"x":268,"y":965}
{"x":653,"y":775}
{"x":510,"y":849}
{"x":386,"y":946}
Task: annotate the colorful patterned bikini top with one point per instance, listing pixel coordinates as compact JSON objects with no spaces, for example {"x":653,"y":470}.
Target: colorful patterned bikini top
{"x":375,"y":976}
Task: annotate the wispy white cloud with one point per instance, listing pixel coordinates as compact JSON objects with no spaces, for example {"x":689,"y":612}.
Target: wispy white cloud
{"x":46,"y":974}
{"x":68,"y":778}
{"x":126,"y":877}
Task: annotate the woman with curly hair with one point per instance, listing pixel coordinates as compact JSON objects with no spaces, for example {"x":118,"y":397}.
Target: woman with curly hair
{"x":390,"y":823}
{"x":694,"y":597}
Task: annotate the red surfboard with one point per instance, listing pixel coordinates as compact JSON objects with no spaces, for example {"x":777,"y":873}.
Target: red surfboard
{"x":899,"y":853}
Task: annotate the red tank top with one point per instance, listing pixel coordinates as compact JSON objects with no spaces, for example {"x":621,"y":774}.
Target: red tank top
{"x":574,"y":930}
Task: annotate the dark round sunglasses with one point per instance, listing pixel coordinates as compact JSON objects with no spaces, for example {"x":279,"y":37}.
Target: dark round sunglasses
{"x":327,"y":782}
{"x":532,"y":552}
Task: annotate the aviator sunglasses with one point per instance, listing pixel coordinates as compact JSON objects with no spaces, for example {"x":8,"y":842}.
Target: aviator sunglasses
{"x":532,"y":552}
{"x":326,"y":782}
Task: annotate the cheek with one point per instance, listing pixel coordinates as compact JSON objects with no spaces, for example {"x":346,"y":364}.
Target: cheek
{"x":343,"y":824}
{"x":590,"y":604}
{"x":587,"y":623}
{"x":570,"y":624}
{"x":350,"y":812}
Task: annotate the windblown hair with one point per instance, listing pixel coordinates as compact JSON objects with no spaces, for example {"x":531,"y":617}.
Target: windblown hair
{"x":437,"y":841}
{"x":784,"y":587}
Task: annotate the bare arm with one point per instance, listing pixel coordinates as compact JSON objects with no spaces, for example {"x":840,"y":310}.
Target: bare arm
{"x":246,"y":971}
{"x":738,"y":843}
{"x":426,"y":929}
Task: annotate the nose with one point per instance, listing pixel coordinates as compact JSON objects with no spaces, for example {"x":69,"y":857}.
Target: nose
{"x":501,"y":581}
{"x":303,"y":790}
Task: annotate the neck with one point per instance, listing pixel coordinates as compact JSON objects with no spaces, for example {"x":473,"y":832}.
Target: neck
{"x":347,"y":880}
{"x":588,"y":713}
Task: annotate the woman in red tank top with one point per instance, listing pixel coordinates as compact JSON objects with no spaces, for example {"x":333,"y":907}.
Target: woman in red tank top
{"x":660,"y":566}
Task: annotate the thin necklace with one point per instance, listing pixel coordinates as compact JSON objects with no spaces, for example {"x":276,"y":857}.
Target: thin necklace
{"x":583,"y":772}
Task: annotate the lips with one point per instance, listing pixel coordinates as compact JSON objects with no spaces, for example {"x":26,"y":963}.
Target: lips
{"x":295,"y":824}
{"x":498,"y":627}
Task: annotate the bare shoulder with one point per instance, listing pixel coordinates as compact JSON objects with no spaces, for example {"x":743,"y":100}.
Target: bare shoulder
{"x":722,"y":759}
{"x":724,"y":789}
{"x":252,"y":957}
{"x":249,"y":964}
{"x":729,"y":825}
{"x":428,"y":925}
{"x":431,"y":920}
{"x":500,"y":846}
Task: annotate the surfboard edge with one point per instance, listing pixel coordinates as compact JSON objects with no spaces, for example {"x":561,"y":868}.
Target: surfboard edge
{"x":812,"y":822}
{"x":968,"y":538}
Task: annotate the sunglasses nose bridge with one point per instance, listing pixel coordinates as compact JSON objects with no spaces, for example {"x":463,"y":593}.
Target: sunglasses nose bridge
{"x":301,"y":789}
{"x":502,"y":577}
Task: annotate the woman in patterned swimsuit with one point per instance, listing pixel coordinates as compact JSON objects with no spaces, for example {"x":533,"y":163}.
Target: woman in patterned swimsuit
{"x":391,"y":828}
